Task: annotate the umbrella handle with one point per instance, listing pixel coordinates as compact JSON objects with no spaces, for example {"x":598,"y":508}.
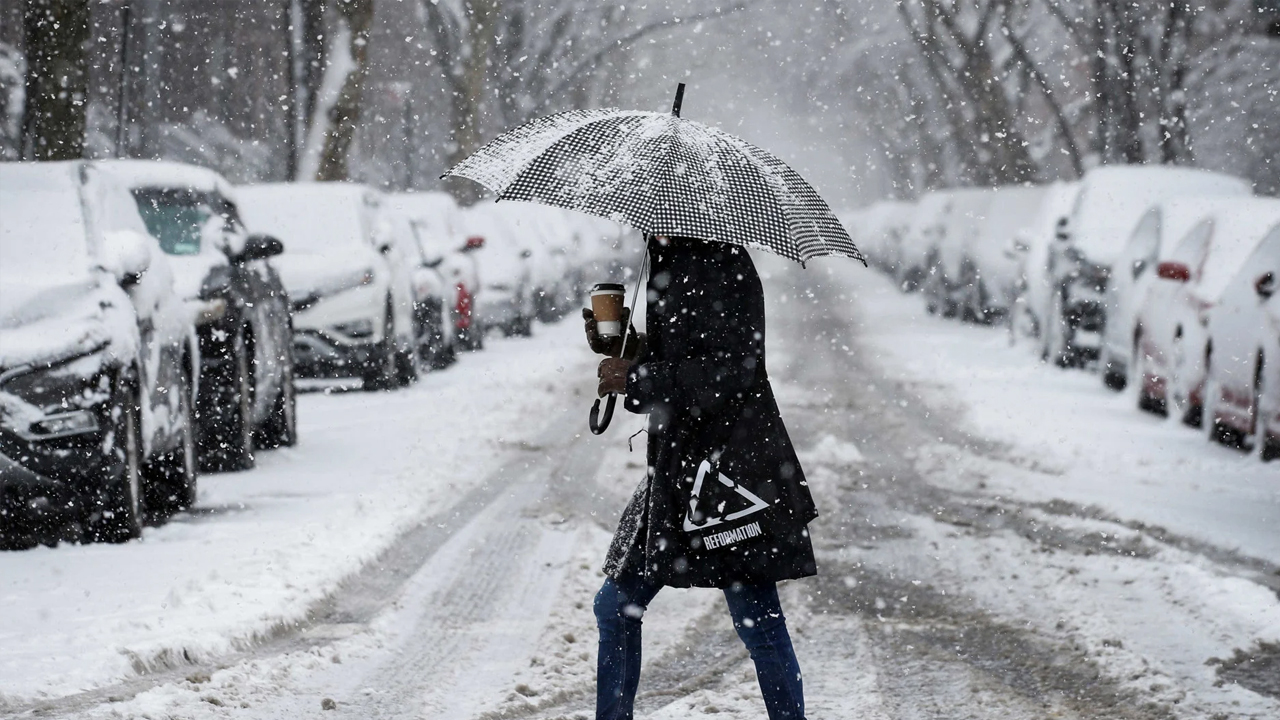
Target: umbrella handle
{"x":594,"y":421}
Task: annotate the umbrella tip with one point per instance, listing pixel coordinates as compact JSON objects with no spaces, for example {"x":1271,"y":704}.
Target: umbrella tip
{"x":675,"y":107}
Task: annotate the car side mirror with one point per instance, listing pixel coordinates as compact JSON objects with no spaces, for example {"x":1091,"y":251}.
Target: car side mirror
{"x":1063,"y":230}
{"x":126,"y":254}
{"x":259,"y":246}
{"x":526,"y":254}
{"x":1176,"y":271}
{"x":475,"y":242}
{"x":434,"y":262}
{"x":1265,"y":286}
{"x":1139,"y":266}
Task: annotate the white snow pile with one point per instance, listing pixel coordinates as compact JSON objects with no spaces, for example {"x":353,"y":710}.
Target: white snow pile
{"x":831,"y":450}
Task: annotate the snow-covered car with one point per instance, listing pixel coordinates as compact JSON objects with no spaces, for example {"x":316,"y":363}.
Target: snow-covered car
{"x":506,"y":276}
{"x":1242,"y":391}
{"x":438,"y":226}
{"x":352,"y":299}
{"x":924,"y":228}
{"x":241,"y":310}
{"x":1033,"y":287}
{"x":434,"y":335}
{"x":550,"y":241}
{"x":1153,"y":239}
{"x":1173,"y":351}
{"x":877,"y":230}
{"x":608,"y":252}
{"x":944,"y":286}
{"x":1111,"y":201}
{"x":989,"y":277}
{"x":97,"y":356}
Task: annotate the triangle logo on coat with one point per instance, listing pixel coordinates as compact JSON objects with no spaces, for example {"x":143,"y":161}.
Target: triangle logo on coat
{"x":756,"y":503}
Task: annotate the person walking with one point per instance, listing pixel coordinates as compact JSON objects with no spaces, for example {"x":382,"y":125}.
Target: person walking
{"x":724,"y":503}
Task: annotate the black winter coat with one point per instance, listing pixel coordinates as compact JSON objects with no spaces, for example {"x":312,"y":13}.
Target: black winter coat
{"x":724,"y":499}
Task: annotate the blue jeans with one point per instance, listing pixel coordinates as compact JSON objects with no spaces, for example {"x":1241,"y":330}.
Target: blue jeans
{"x":757,"y":616}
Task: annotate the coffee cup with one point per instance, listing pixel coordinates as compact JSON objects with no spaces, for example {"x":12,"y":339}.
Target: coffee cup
{"x":606,"y":306}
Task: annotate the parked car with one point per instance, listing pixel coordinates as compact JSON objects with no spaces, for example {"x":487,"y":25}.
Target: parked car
{"x":989,"y":275}
{"x":1174,"y":353}
{"x":97,"y":356}
{"x":609,"y":252}
{"x":506,"y":275}
{"x":1111,"y":201}
{"x":434,"y":335}
{"x":1033,"y":287}
{"x":1242,"y":391}
{"x":438,"y":225}
{"x":351,"y":295}
{"x":878,"y":231}
{"x":920,"y":242}
{"x":952,"y":268}
{"x":543,"y":232}
{"x":245,"y":396}
{"x":1153,"y":239}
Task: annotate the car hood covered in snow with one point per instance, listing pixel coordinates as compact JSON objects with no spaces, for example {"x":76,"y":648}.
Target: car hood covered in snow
{"x":303,"y":273}
{"x":41,"y":323}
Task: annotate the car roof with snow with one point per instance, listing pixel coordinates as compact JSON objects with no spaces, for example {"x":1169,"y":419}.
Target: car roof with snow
{"x":163,"y":174}
{"x":1113,"y":199}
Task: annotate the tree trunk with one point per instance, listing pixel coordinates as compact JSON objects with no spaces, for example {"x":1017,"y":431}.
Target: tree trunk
{"x":344,"y":115}
{"x":56,"y":33}
{"x":469,"y":97}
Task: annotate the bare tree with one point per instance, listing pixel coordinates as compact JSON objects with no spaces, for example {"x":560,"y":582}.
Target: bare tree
{"x":501,"y":68}
{"x":56,"y":33}
{"x":1139,"y":53}
{"x":343,"y":115}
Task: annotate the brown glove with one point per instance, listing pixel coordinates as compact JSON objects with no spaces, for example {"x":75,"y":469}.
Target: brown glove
{"x":613,"y":376}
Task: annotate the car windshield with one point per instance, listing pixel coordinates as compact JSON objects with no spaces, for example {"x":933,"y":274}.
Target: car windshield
{"x":178,"y":218}
{"x":43,"y":234}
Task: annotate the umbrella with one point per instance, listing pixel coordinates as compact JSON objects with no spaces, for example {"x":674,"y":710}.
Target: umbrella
{"x":662,"y":175}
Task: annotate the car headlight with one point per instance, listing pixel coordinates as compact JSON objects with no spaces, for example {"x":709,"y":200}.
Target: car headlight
{"x":63,"y":425}
{"x":210,"y":311}
{"x":356,"y":328}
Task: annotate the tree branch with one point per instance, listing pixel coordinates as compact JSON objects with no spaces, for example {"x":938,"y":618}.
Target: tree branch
{"x":630,"y":39}
{"x":1060,"y":117}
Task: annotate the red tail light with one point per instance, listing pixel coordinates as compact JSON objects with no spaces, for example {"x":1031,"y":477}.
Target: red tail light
{"x":1175,"y":271}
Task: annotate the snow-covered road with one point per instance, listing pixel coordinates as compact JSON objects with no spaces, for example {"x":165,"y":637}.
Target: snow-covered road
{"x":998,"y":540}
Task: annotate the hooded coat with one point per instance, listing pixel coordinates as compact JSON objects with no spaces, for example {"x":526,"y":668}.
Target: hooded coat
{"x":724,"y":499}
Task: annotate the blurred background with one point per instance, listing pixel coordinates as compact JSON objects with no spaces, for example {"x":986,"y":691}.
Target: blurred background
{"x":867,"y":98}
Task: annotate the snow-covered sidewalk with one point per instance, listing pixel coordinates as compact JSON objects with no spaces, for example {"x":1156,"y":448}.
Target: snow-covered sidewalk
{"x":262,"y":547}
{"x":1086,"y":444}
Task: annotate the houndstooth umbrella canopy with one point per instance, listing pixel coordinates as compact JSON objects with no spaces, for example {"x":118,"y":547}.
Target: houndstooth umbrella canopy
{"x":662,"y":175}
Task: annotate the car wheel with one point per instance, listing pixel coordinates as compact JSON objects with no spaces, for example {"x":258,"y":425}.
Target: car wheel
{"x":171,"y":478}
{"x":280,"y":429}
{"x":381,"y":371}
{"x":1058,"y":335}
{"x":115,"y":513}
{"x":1215,"y":430}
{"x":407,"y":367}
{"x":1114,"y":373}
{"x":226,"y":427}
{"x":1146,"y":402}
{"x":1264,"y":446}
